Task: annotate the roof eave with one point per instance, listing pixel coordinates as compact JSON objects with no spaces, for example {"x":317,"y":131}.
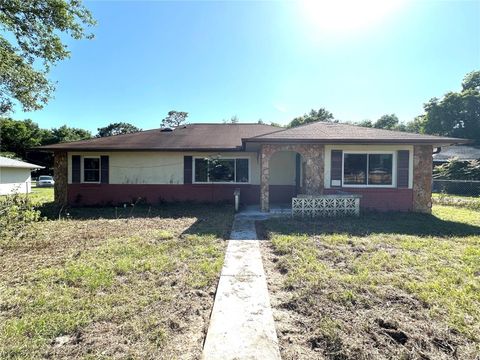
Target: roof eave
{"x":50,"y":149}
{"x":33,"y":167}
{"x":434,"y":142}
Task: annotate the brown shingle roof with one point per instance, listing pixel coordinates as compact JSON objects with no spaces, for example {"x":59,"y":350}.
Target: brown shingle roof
{"x":327,"y":132}
{"x":229,"y":137}
{"x":462,"y":153}
{"x":191,"y":137}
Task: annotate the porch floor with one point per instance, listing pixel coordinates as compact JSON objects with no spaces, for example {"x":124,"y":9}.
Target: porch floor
{"x":275,"y":210}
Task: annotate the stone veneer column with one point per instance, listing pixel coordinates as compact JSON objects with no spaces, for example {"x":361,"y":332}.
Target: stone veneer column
{"x":60,"y":172}
{"x":265,"y":154}
{"x":422,"y":178}
{"x":314,"y":170}
{"x":314,"y":157}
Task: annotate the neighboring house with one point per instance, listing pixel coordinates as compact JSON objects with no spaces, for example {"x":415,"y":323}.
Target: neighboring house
{"x":207,"y":162}
{"x":15,"y":176}
{"x":459,"y":152}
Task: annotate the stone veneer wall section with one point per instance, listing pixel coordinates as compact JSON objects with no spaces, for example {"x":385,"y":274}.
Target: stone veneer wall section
{"x":60,"y":171}
{"x":422,"y":178}
{"x":313,"y":154}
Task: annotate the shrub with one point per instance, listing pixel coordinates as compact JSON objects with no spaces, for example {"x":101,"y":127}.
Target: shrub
{"x":458,"y":170}
{"x":17,"y":213}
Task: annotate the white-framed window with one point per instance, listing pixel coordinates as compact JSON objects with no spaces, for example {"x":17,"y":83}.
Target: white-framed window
{"x":91,"y":169}
{"x":369,"y":169}
{"x":221,"y":170}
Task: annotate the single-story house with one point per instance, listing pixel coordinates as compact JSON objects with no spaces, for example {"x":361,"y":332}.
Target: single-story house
{"x":460,"y":152}
{"x":15,"y":176}
{"x":206,"y":162}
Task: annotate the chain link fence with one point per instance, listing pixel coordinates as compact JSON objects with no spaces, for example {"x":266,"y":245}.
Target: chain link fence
{"x":457,"y":187}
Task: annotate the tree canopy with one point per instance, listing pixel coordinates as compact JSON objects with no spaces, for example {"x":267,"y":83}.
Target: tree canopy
{"x":65,"y":134}
{"x":31,"y":43}
{"x":117,"y":129}
{"x":18,"y":136}
{"x":233,"y":120}
{"x":174,"y":119}
{"x":456,"y":115}
{"x":314,"y":115}
{"x":471,"y":81}
{"x":388,"y":121}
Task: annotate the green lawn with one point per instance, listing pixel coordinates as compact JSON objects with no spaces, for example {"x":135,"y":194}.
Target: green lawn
{"x":112,"y":283}
{"x":42,"y":195}
{"x":378,"y":286}
{"x":469,"y":202}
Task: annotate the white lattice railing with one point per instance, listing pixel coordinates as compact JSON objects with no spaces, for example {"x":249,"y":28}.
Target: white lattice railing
{"x":326,"y":205}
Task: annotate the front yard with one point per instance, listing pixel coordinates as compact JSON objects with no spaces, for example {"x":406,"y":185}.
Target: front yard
{"x":135,"y":282}
{"x":382,"y":286}
{"x":139,"y":282}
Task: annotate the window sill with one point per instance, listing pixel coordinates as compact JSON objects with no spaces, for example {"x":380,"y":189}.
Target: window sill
{"x":221,"y":183}
{"x":368,"y":186}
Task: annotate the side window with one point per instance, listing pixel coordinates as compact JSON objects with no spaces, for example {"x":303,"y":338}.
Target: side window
{"x":221,"y":170}
{"x":368,"y":169}
{"x":355,"y":169}
{"x":241,"y":171}
{"x":91,"y":169}
{"x":201,"y":170}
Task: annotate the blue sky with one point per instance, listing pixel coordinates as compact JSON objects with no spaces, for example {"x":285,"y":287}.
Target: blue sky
{"x":270,"y":60}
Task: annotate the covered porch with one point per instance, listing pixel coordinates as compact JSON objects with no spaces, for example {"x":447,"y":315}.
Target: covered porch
{"x":308,"y":170}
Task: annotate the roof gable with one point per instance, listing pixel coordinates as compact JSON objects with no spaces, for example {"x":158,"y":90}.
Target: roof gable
{"x":12,"y":163}
{"x":329,"y":132}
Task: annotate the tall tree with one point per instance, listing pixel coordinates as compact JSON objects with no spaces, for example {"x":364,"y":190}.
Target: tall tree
{"x":365,"y":123}
{"x":388,"y":121}
{"x":117,"y":129}
{"x":66,"y":134}
{"x":233,"y":120}
{"x":31,"y":43}
{"x":273,"y":123}
{"x":16,"y":136}
{"x":314,"y":115}
{"x":471,"y":81}
{"x":417,"y":125}
{"x":175,"y":119}
{"x":456,"y":114}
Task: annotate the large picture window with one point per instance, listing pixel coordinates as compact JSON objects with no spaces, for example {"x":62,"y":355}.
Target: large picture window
{"x":368,"y":169}
{"x":221,"y":170}
{"x":91,"y":169}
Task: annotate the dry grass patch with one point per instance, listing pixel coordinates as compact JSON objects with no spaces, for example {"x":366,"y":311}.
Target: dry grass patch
{"x":381,"y":286}
{"x":113,"y":288}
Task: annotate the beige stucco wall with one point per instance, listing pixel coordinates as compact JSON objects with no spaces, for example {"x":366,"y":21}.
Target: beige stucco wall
{"x":369,"y":148}
{"x":282,"y":168}
{"x":14,"y":180}
{"x":149,"y":167}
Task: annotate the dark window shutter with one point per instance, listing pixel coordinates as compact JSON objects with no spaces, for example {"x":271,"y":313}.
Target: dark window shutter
{"x":298,"y":166}
{"x":402,"y":168}
{"x":187,"y":169}
{"x":76,"y":169}
{"x":336,"y":168}
{"x":104,"y":169}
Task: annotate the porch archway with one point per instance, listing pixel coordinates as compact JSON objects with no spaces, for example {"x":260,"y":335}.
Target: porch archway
{"x":313,"y":154}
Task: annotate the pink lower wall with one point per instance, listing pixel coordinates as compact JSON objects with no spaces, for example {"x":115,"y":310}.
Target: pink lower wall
{"x":381,"y":199}
{"x":103,"y":194}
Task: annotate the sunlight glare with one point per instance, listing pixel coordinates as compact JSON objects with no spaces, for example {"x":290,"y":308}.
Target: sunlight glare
{"x":348,"y":15}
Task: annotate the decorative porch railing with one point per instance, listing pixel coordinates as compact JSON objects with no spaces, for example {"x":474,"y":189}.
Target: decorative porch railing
{"x":326,"y":205}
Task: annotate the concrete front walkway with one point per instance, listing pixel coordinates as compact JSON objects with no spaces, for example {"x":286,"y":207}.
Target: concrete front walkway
{"x":241,"y":325}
